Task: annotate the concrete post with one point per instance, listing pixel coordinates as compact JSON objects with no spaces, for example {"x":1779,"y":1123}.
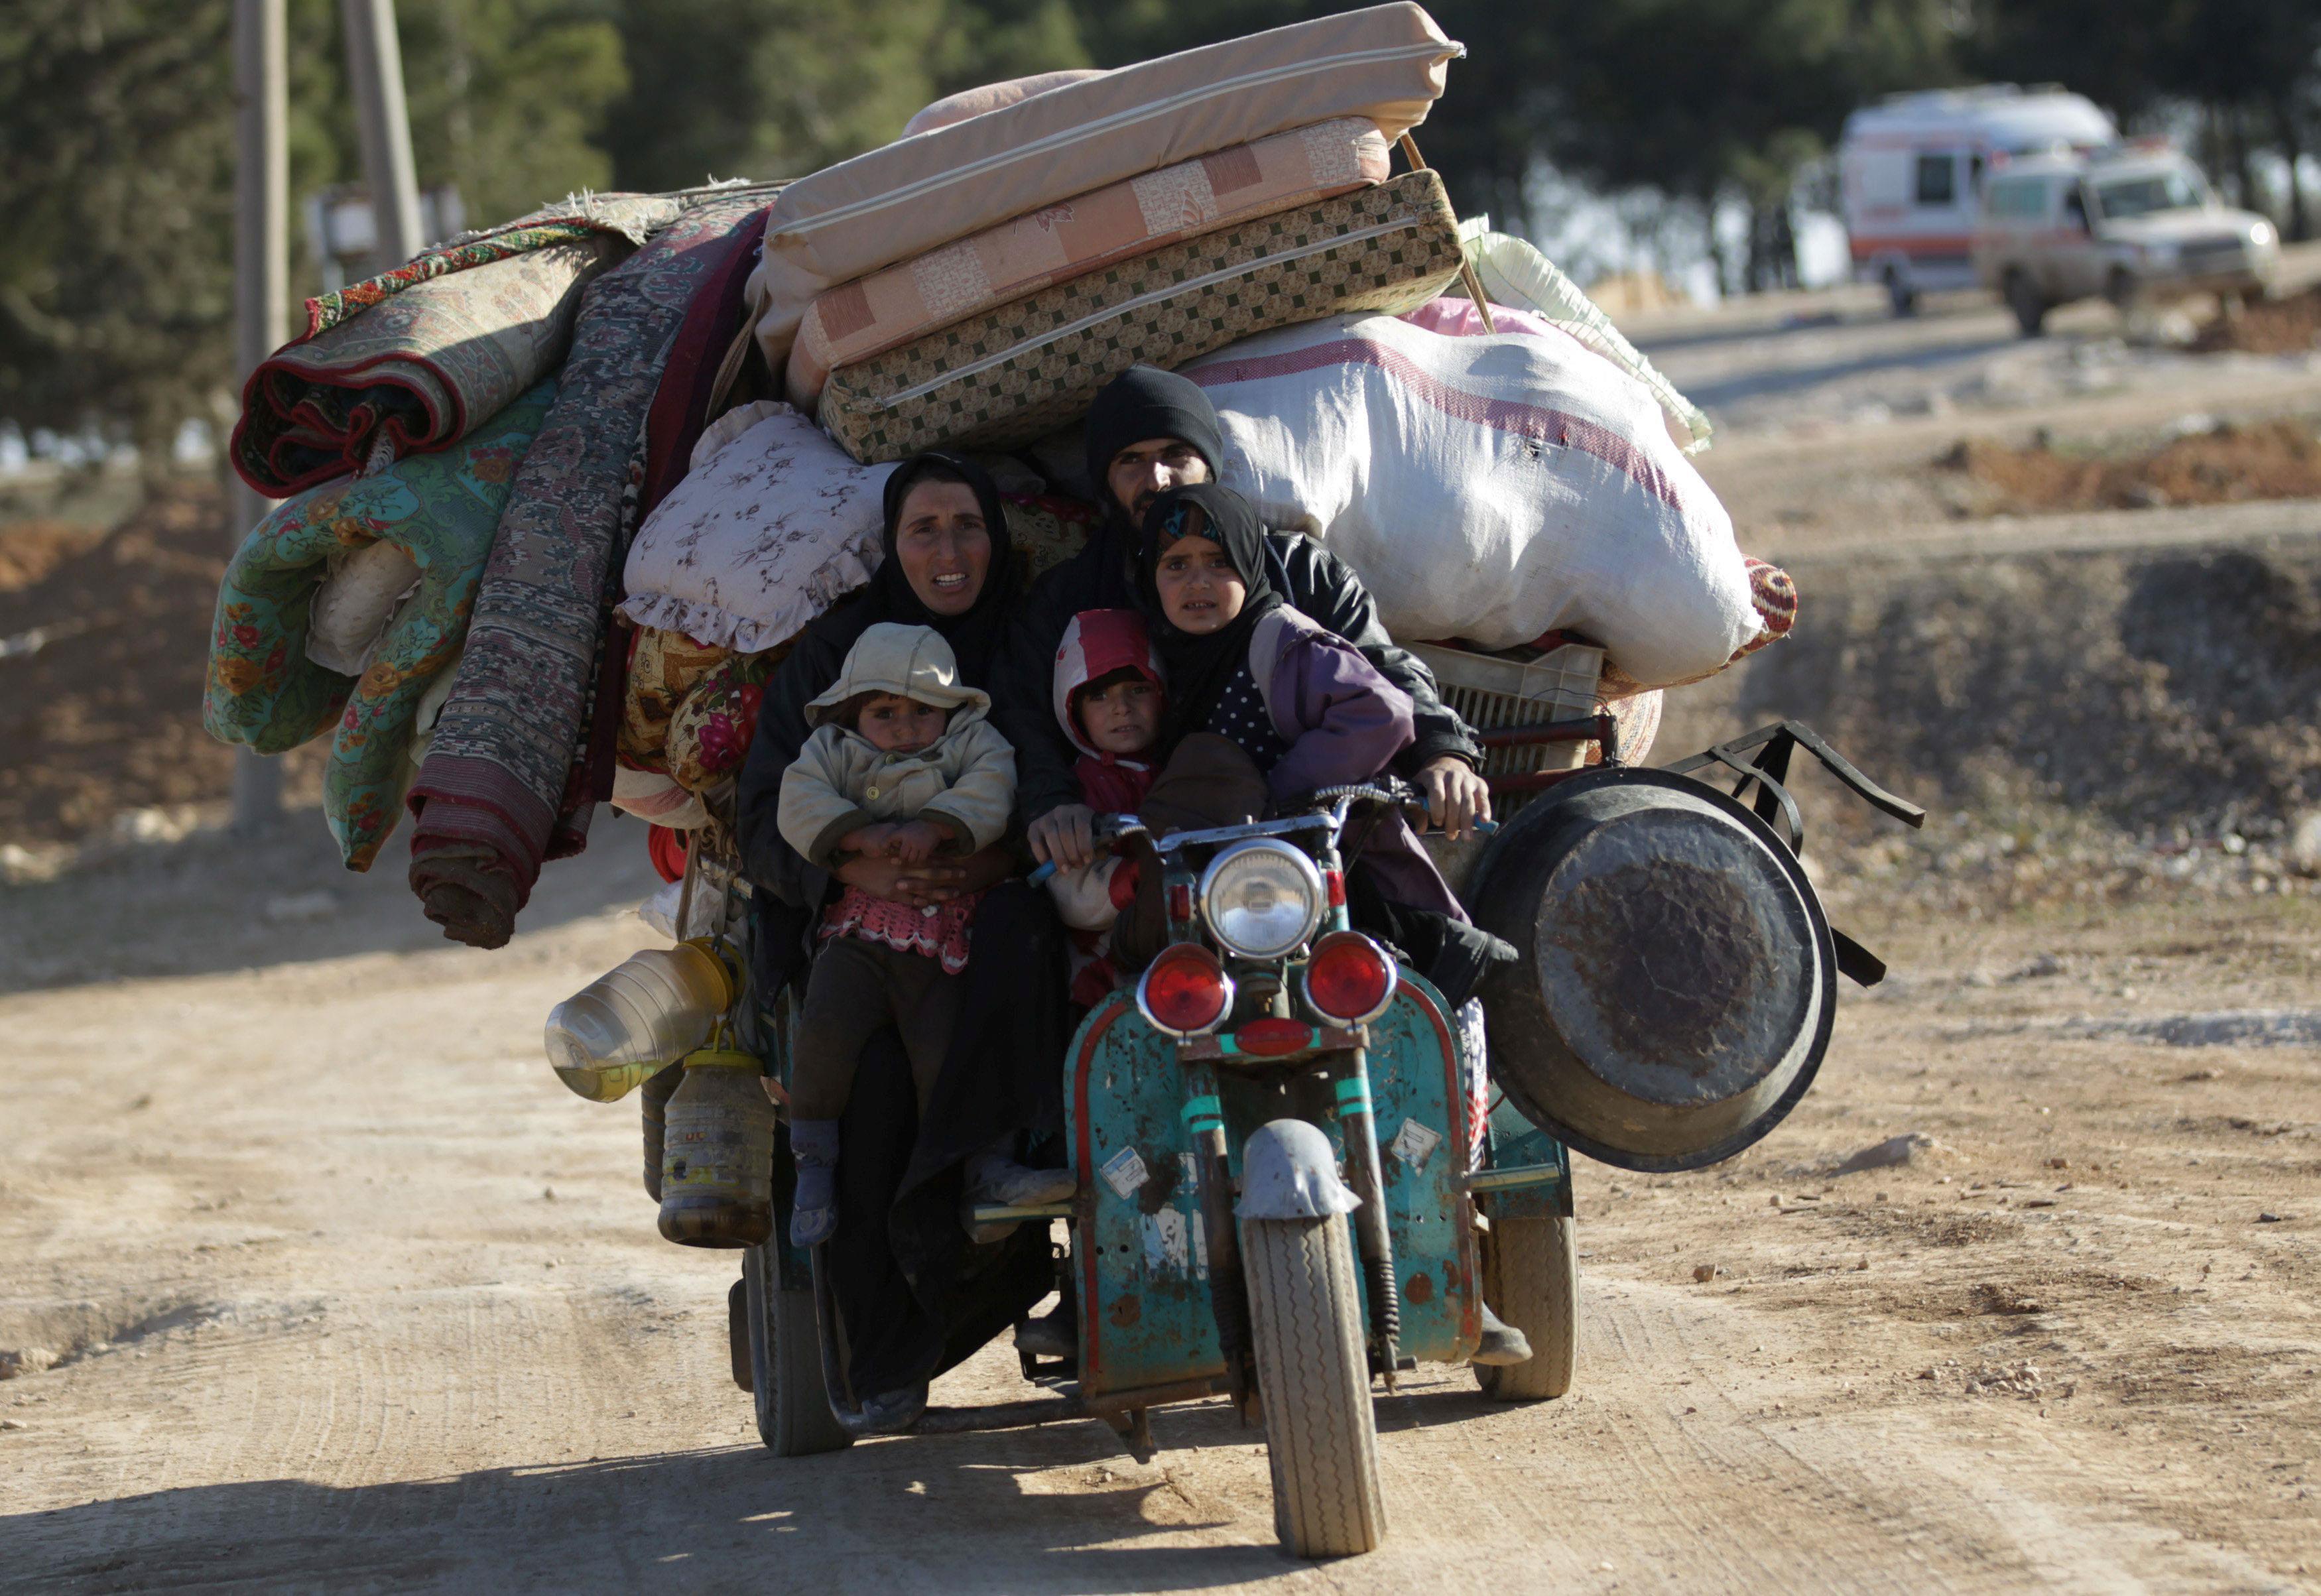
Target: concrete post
{"x":261,"y":273}
{"x":375,"y":72}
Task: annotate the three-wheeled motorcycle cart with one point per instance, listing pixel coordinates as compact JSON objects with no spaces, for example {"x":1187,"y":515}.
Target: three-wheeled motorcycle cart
{"x":1296,"y":1179}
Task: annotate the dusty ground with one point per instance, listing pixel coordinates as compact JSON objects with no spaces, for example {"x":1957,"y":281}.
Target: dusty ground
{"x":350,"y":1296}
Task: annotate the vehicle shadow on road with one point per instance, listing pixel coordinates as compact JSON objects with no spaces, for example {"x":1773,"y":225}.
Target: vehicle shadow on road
{"x":949,"y":1513}
{"x":210,"y":902}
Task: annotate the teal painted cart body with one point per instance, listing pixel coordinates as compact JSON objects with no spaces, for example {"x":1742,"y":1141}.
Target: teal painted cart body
{"x":1139,"y":1254}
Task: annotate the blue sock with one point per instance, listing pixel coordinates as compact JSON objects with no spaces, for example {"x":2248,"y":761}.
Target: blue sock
{"x":814,"y":1212}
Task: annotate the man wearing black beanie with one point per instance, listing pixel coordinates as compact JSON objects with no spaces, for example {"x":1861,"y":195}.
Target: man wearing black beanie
{"x":1148,"y":431}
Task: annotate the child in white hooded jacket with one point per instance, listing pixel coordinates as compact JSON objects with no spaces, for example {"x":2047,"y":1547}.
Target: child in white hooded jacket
{"x":903,"y":763}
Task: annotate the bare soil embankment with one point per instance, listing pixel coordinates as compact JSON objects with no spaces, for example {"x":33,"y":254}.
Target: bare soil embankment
{"x":2224,"y":463}
{"x":2105,"y":717}
{"x":101,"y":693}
{"x":2286,"y":325}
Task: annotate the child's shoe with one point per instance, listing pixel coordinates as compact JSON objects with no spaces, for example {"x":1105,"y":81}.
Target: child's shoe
{"x":814,"y":1209}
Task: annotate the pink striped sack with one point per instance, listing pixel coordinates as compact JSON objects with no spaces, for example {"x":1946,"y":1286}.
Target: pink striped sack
{"x":1492,"y":488}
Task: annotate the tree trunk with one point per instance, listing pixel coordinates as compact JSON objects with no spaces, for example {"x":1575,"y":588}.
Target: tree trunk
{"x":1729,"y":279}
{"x":2285,"y":129}
{"x":2244,"y":174}
{"x":1761,"y":263}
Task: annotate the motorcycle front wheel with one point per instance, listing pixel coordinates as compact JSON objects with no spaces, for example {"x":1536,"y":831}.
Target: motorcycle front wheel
{"x":1313,"y":1373}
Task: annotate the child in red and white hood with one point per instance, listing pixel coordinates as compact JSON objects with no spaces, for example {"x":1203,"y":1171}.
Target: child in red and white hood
{"x":1108,"y":697}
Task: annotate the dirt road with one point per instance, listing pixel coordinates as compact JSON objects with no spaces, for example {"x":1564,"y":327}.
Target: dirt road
{"x":349,"y":1295}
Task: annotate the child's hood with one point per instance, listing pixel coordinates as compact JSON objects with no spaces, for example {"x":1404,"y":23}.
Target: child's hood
{"x":1097,"y":643}
{"x":910,"y":661}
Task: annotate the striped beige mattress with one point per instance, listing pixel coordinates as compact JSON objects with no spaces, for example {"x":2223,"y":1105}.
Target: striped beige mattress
{"x":1057,"y":242}
{"x":1014,"y":373}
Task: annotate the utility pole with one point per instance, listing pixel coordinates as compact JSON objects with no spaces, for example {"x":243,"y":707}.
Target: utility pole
{"x":375,"y":69}
{"x":262,"y":289}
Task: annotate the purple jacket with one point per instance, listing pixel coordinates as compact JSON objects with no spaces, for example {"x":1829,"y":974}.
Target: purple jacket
{"x":1344,"y":723}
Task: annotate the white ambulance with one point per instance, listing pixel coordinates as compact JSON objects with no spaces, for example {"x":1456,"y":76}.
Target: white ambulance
{"x":1910,"y":172}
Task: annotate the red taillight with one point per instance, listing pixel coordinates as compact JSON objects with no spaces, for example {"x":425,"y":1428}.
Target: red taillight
{"x":1180,"y":902}
{"x":1274,"y":1038}
{"x":1185,"y":990}
{"x":1349,"y":978}
{"x":1334,"y":881}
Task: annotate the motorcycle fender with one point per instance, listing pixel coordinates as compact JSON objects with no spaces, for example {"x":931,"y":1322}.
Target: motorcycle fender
{"x":1289,"y":1172}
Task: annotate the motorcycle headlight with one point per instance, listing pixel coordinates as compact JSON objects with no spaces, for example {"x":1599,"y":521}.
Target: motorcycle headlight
{"x":1262,"y":898}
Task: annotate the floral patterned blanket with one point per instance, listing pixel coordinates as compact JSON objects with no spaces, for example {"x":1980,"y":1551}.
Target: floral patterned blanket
{"x":772,"y":526}
{"x":262,"y":691}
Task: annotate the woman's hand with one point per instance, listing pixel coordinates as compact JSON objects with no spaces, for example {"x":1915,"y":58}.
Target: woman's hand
{"x":918,"y":886}
{"x":922,"y":886}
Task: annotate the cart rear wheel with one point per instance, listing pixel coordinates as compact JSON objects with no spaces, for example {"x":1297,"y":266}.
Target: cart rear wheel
{"x":1531,"y":1273}
{"x":794,"y":1416}
{"x":1314,"y":1376}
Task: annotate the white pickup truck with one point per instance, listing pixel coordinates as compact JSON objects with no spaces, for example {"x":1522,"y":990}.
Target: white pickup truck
{"x":2135,"y":225}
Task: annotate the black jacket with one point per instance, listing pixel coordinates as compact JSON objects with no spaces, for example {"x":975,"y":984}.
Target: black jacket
{"x":1099,"y":577}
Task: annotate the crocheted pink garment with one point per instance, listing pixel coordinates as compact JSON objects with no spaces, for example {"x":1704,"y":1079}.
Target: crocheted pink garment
{"x":938,"y":932}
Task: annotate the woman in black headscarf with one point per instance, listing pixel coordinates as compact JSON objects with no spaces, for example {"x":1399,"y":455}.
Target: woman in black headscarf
{"x":913,"y":1298}
{"x":949,"y":565}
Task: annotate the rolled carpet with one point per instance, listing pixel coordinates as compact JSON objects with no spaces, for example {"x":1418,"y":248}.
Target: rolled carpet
{"x":410,"y":360}
{"x":486,"y":799}
{"x":679,"y":411}
{"x":439,"y":511}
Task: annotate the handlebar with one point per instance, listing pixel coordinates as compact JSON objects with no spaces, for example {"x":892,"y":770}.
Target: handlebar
{"x":1109,"y":828}
{"x":1384,"y":790}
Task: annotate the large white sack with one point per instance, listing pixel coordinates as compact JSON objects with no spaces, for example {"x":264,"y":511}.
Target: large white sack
{"x":1491,"y":488}
{"x":771,"y":526}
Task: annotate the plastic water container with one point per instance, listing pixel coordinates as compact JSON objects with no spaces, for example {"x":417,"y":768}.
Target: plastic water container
{"x":635,"y":1020}
{"x":717,"y":1153}
{"x":655,"y":1098}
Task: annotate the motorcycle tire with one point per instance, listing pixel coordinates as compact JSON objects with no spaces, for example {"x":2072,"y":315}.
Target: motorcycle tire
{"x":1531,"y":1272}
{"x":1313,"y":1373}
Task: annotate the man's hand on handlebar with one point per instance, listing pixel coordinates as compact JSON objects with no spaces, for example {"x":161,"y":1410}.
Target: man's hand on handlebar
{"x":1064,"y":837}
{"x":1456,"y":797}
